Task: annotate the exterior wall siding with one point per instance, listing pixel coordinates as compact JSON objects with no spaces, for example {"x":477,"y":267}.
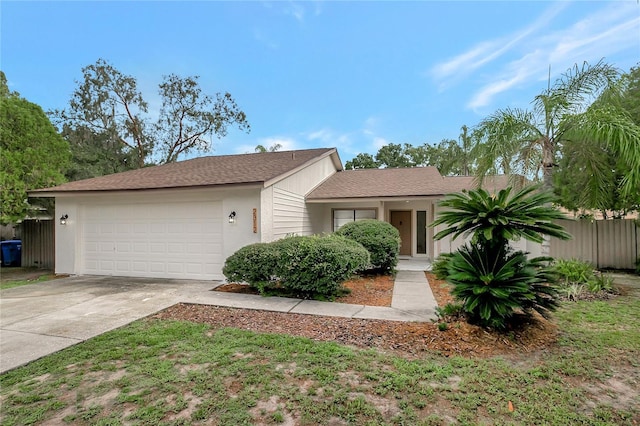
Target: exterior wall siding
{"x":303,"y":181}
{"x":290,"y":214}
{"x":283,"y":204}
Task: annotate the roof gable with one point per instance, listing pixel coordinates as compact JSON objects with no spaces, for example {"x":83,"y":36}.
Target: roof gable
{"x":255,"y":168}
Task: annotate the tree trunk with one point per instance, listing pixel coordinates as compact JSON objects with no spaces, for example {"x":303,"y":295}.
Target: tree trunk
{"x":548,"y":151}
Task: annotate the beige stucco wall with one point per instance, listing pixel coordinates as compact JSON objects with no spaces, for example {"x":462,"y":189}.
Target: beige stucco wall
{"x":383,"y":208}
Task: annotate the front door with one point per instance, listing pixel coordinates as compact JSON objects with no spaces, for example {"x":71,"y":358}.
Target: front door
{"x":401,"y":220}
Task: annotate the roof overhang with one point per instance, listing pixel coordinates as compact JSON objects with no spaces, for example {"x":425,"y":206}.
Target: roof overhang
{"x":70,"y":194}
{"x":377,"y":199}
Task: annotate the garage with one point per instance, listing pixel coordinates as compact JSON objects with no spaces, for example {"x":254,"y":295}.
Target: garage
{"x":182,"y":219}
{"x":164,"y":240}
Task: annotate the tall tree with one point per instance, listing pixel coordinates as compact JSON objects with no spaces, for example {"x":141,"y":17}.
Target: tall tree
{"x":449,"y":157}
{"x":273,"y":148}
{"x":630,"y":93}
{"x":32,"y":153}
{"x":530,"y":142}
{"x":110,"y":116}
{"x":466,"y":144}
{"x":589,"y":177}
{"x":187,"y":116}
{"x":394,"y":155}
{"x":108,"y":103}
{"x":590,"y":173}
{"x":362,"y":161}
{"x":95,"y":154}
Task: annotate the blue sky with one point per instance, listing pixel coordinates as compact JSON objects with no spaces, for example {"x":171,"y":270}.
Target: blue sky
{"x":354,"y":75}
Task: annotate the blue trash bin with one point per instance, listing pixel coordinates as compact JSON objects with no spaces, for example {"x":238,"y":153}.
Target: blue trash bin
{"x":11,"y":252}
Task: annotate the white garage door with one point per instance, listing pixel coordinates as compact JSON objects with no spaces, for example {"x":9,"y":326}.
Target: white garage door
{"x":171,"y":240}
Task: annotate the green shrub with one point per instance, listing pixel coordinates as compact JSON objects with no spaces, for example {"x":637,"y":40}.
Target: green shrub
{"x":440,"y":265}
{"x":493,"y":285}
{"x":254,"y":264}
{"x":450,"y":310}
{"x":602,"y":282}
{"x":491,"y":280}
{"x":577,"y":276}
{"x":638,"y":266}
{"x":381,"y":240}
{"x":574,"y":271}
{"x":318,"y":265}
{"x":572,"y":291}
{"x":307,"y":266}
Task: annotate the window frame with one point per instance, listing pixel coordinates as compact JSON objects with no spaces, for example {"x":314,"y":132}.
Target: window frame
{"x":354,"y":210}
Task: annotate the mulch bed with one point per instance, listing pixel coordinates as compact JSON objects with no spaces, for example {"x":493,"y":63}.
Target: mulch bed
{"x":375,"y":290}
{"x":410,"y":339}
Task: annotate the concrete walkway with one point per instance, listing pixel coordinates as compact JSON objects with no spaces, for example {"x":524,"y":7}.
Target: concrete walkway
{"x":40,"y":319}
{"x":412,"y":299}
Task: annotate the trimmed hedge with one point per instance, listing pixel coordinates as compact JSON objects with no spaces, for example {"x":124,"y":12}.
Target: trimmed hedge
{"x":302,"y":265}
{"x":254,"y":264}
{"x":380,"y":238}
{"x":318,"y":265}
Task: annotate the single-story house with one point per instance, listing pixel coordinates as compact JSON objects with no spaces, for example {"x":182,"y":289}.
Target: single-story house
{"x":183,"y":219}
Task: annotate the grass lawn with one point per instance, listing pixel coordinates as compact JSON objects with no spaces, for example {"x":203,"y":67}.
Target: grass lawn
{"x":16,"y":277}
{"x":156,"y":372}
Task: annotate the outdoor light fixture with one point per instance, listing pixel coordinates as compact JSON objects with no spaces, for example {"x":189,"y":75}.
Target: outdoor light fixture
{"x":63,"y":219}
{"x":232,"y":217}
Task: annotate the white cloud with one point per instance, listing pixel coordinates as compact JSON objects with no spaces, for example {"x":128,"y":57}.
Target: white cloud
{"x":321,"y":135}
{"x":264,"y":39}
{"x":607,"y":32}
{"x":530,"y":52}
{"x":286,"y":144}
{"x":329,"y":138}
{"x":379,"y":142}
{"x":484,"y":96}
{"x":317,"y":9}
{"x":296,"y":10}
{"x":299,"y":11}
{"x":488,"y":51}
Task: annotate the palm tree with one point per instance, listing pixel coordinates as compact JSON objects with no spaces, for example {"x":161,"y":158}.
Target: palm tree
{"x":495,"y":219}
{"x":490,"y":279}
{"x":529,"y":142}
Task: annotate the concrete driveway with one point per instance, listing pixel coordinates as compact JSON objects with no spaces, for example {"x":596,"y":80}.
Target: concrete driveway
{"x":39,"y":319}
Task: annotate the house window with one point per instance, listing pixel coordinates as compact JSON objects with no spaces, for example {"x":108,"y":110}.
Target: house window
{"x":421,"y":232}
{"x":343,"y":216}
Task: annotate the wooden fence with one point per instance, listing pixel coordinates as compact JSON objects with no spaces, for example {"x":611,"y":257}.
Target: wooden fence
{"x":605,"y":243}
{"x":38,"y":243}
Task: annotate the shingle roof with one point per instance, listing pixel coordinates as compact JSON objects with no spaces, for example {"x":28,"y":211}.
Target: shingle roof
{"x":490,"y":183}
{"x":404,"y":182}
{"x":203,"y":171}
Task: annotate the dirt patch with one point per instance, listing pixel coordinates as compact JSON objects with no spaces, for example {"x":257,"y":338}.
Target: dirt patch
{"x":411,"y":339}
{"x":270,"y":412}
{"x":237,"y":288}
{"x":10,"y":274}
